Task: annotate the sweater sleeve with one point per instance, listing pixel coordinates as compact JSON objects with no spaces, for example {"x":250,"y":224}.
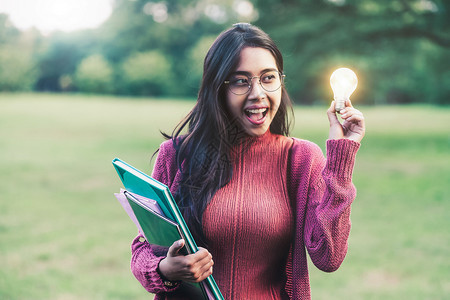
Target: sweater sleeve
{"x":330,"y":192}
{"x":145,"y":257}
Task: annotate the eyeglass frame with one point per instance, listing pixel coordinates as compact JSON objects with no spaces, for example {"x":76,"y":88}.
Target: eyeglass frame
{"x":282,"y":76}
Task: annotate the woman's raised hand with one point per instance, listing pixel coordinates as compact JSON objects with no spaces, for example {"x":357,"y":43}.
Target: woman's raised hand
{"x":193,"y":267}
{"x":353,"y":127}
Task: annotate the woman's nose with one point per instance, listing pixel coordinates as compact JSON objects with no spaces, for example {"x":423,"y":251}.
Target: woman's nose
{"x":256,"y":90}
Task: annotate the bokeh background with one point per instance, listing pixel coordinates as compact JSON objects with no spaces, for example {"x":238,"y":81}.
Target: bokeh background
{"x":82,"y":82}
{"x":399,"y":49}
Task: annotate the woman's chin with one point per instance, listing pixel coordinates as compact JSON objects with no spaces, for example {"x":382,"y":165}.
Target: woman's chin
{"x":256,"y":131}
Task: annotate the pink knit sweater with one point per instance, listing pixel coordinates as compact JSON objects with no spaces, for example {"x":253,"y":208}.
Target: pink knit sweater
{"x":259,"y":254}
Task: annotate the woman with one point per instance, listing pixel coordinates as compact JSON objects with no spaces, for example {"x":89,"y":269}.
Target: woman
{"x":255,"y":198}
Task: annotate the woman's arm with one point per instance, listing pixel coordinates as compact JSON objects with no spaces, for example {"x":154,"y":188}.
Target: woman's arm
{"x":330,"y":194}
{"x":324,"y":190}
{"x":160,"y":269}
{"x":145,"y":258}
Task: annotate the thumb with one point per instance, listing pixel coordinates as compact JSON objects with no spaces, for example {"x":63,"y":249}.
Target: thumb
{"x":175,"y":248}
{"x":331,"y":113}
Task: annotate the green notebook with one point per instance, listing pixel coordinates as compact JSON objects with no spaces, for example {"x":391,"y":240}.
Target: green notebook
{"x":150,"y":218}
{"x":154,"y":225}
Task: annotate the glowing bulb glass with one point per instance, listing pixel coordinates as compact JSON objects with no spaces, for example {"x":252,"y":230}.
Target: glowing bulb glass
{"x":343,"y":82}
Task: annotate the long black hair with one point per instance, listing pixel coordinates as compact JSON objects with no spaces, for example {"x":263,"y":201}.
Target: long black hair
{"x":202,"y":149}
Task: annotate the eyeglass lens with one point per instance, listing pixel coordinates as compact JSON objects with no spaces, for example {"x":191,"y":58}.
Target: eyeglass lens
{"x":240,"y":84}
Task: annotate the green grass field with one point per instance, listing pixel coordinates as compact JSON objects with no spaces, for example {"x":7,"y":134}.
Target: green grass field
{"x":64,"y":236}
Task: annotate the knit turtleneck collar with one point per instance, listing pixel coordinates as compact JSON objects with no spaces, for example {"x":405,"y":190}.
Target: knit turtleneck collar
{"x":248,"y":143}
{"x":247,"y":139}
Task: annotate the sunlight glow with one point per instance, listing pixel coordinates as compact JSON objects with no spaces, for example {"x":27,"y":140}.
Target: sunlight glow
{"x":51,"y":15}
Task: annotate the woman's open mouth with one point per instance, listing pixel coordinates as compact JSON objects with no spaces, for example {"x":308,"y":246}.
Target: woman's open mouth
{"x":256,"y":116}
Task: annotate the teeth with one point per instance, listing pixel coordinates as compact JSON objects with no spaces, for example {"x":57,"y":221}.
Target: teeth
{"x":256,"y":111}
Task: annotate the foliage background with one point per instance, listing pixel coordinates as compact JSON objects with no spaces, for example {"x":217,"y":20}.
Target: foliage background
{"x":398,"y":48}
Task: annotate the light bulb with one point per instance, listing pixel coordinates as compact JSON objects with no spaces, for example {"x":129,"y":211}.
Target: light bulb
{"x":343,"y":82}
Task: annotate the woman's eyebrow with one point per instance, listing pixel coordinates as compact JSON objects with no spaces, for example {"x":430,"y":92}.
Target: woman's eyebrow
{"x":248,"y":74}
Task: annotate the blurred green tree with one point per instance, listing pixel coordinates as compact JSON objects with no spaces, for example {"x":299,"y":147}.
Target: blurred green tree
{"x":398,"y":48}
{"x":389,"y":43}
{"x":17,"y":68}
{"x":146,"y":73}
{"x":194,"y":63}
{"x":94,"y":75}
{"x":173,"y":28}
{"x":60,"y":56}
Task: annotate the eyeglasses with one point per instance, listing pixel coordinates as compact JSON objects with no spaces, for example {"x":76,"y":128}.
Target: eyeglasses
{"x":240,"y":84}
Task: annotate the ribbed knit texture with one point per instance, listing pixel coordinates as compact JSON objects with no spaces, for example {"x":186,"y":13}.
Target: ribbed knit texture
{"x":249,"y":223}
{"x":310,"y":200}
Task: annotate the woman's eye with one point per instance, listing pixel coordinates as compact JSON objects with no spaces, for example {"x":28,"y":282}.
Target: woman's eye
{"x":268,"y":77}
{"x":240,"y":81}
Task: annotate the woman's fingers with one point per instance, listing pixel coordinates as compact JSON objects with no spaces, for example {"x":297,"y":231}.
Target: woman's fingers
{"x":206,"y":265}
{"x":331,"y":113}
{"x":350,"y":114}
{"x":175,"y":248}
{"x":200,"y":265}
{"x":353,"y":126}
{"x":336,"y":131}
{"x":193,"y":267}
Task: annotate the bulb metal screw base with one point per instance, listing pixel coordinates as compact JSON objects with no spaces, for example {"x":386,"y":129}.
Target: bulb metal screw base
{"x":339,"y":104}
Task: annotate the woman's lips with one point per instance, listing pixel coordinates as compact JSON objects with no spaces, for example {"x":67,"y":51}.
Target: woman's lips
{"x":256,"y":116}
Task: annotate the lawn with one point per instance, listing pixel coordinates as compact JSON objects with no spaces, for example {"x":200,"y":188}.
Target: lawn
{"x":64,"y":236}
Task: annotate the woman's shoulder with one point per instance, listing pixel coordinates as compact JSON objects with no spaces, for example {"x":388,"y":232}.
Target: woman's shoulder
{"x":304,"y":147}
{"x":167,"y":147}
{"x":165,"y":167}
{"x":166,"y":153}
{"x":295,"y":145}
